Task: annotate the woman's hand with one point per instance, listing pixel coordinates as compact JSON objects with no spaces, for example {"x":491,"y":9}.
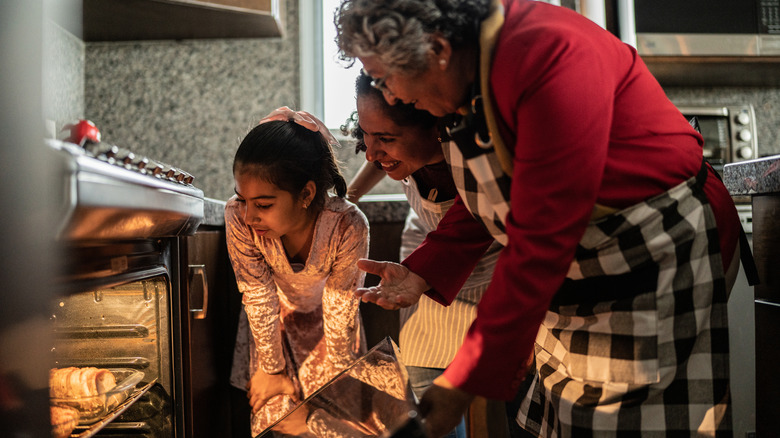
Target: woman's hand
{"x":302,"y":118}
{"x":442,"y":407}
{"x":399,"y":287}
{"x":263,"y":386}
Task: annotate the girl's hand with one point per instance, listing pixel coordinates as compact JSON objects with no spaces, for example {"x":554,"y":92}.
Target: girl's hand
{"x":295,"y":423}
{"x":302,"y":118}
{"x":399,"y":287}
{"x":262,"y":386}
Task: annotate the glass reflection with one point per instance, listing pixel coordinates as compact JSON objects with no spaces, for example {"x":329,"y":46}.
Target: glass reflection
{"x":371,"y":398}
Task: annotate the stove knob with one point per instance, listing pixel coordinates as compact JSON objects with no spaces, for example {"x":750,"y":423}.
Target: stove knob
{"x":111,"y":152}
{"x":142,"y":163}
{"x":188,"y":179}
{"x":744,"y":135}
{"x":745,"y":152}
{"x":170,"y":173}
{"x":743,"y":118}
{"x":154,"y":168}
{"x":127,"y":158}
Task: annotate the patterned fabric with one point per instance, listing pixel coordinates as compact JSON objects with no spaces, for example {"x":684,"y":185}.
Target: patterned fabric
{"x":636,"y":340}
{"x":431,"y":333}
{"x":482,"y":183}
{"x":305,"y":321}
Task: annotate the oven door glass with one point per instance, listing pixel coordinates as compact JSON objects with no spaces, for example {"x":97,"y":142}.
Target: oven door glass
{"x":371,"y":398}
{"x":124,"y":329}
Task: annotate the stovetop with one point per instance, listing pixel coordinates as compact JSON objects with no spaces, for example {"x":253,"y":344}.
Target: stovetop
{"x":111,"y":193}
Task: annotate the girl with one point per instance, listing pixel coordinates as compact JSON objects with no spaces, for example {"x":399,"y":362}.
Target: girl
{"x":294,"y":250}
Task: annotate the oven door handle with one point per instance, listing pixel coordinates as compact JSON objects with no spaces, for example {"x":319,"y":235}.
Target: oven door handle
{"x":200,"y":270}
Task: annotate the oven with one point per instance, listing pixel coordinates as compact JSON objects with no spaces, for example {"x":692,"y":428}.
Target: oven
{"x":133,"y":296}
{"x":729,"y":132}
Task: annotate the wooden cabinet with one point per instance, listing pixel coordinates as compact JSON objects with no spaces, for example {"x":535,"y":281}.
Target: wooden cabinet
{"x":129,"y":20}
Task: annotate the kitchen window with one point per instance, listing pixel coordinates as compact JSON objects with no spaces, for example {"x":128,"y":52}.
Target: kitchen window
{"x":327,"y":88}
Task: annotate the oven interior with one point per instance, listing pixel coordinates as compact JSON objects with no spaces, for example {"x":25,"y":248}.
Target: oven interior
{"x":115,"y":314}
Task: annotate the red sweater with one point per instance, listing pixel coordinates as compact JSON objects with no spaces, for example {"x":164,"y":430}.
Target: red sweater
{"x":588,"y":124}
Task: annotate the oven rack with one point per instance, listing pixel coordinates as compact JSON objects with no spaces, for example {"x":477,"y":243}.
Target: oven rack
{"x":94,"y":428}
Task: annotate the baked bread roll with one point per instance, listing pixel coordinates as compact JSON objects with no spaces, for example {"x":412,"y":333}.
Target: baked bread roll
{"x":104,"y":381}
{"x":72,"y":382}
{"x":63,"y":420}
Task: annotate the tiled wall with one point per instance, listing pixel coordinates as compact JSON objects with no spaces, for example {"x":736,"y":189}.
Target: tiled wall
{"x":188,"y":103}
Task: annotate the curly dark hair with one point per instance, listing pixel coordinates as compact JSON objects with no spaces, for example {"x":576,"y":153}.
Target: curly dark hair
{"x":401,"y":114}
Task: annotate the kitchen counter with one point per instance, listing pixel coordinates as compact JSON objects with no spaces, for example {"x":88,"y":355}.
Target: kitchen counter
{"x":760,"y":179}
{"x":213,"y":212}
{"x":754,"y":177}
{"x":384,"y":208}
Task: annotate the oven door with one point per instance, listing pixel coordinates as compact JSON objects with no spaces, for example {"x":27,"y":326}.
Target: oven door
{"x":115,"y":312}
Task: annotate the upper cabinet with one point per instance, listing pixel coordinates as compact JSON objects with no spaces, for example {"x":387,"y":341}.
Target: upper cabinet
{"x":130,"y":20}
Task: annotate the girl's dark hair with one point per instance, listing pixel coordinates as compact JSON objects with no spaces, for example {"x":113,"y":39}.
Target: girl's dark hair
{"x":402,"y":114}
{"x":289,"y":155}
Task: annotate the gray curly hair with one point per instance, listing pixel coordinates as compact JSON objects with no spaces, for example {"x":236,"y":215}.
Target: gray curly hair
{"x":398,"y":32}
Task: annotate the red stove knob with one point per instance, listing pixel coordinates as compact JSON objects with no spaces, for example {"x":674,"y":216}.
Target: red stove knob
{"x":82,"y":131}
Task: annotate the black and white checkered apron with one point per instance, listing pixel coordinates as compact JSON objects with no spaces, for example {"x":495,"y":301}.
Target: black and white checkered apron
{"x":635,"y":342}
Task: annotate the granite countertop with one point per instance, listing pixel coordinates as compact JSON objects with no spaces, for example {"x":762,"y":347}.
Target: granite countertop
{"x":213,"y":212}
{"x":384,"y":208}
{"x":754,"y":177}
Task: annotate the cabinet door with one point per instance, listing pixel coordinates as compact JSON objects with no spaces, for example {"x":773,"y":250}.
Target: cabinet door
{"x":213,"y":308}
{"x":131,"y":20}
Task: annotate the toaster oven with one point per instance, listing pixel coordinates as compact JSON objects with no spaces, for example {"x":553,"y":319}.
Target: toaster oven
{"x":729,"y":132}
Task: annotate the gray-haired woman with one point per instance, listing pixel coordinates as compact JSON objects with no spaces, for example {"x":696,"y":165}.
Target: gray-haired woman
{"x":619,"y":239}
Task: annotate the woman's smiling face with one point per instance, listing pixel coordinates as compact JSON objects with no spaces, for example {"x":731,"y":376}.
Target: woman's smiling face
{"x":400,"y":150}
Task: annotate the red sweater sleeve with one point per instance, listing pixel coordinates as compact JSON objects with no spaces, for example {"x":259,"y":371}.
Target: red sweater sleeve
{"x":448,"y":254}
